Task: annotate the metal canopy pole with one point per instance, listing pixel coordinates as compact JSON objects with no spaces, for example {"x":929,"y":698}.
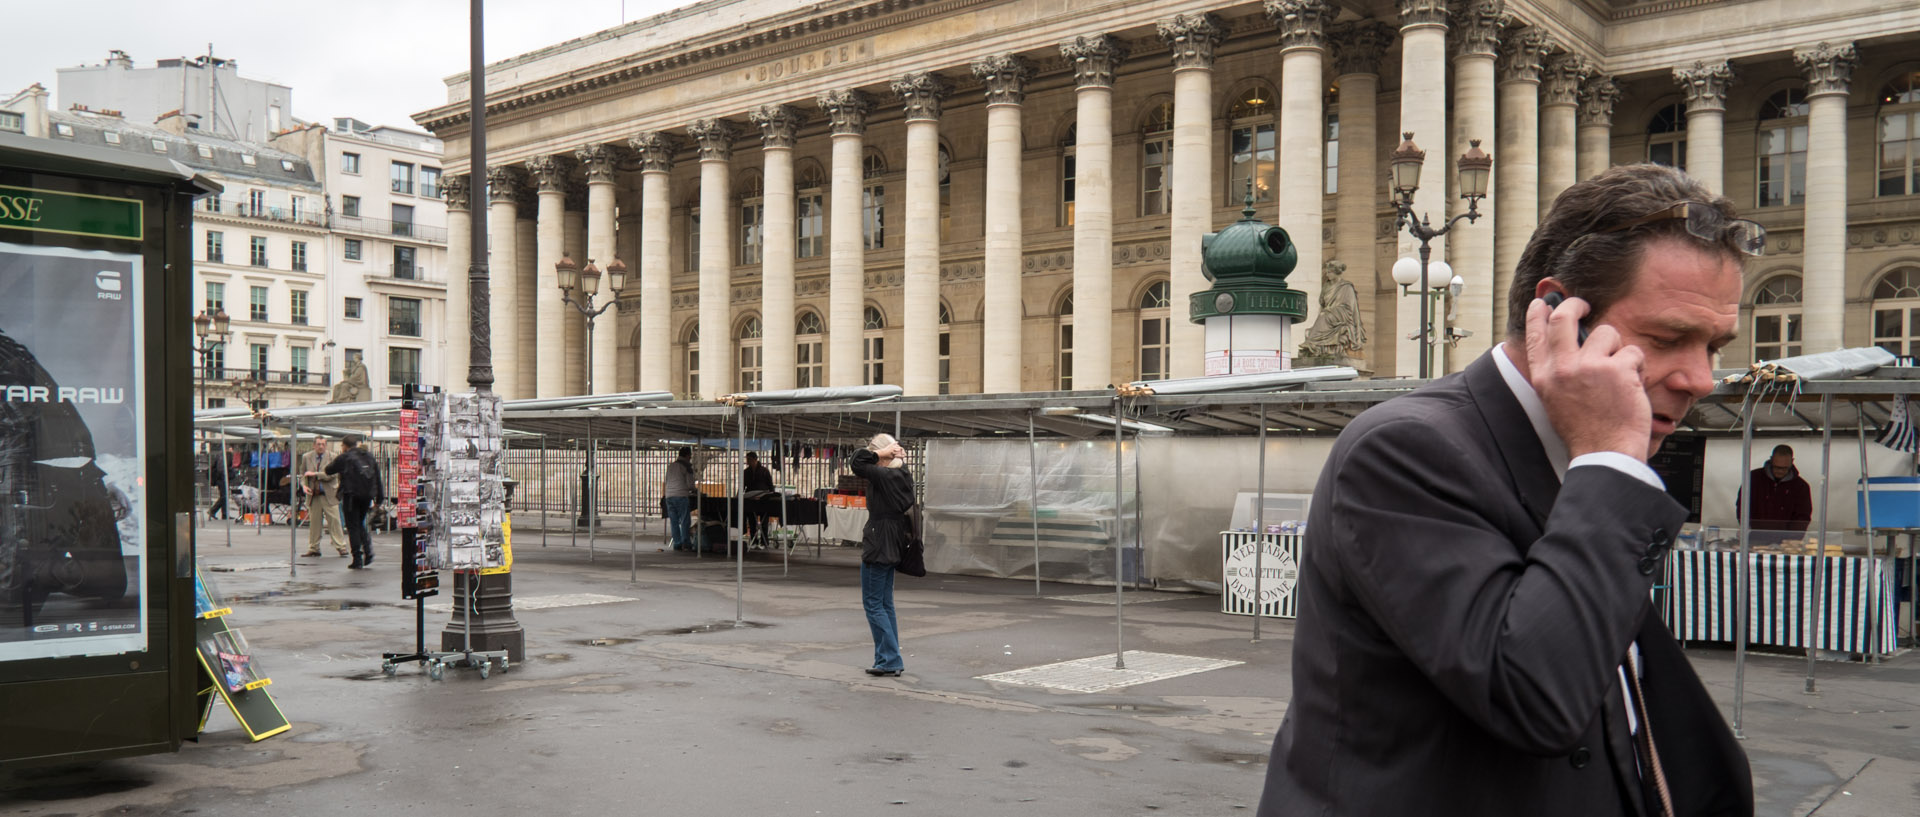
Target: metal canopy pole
{"x":1816,"y":605}
{"x":260,"y":447}
{"x":226,"y":487}
{"x":588,"y":505}
{"x":573,"y":512}
{"x":1033,"y":470}
{"x":633,"y":501}
{"x":740,"y":552}
{"x":1873,"y":562}
{"x":293,"y":506}
{"x":786,"y":525}
{"x":544,"y":511}
{"x":1119,"y":587}
{"x":1260,"y":526}
{"x":1743,"y":572}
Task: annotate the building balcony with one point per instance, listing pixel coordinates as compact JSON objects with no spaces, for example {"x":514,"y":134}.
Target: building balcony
{"x":216,"y":377}
{"x":408,"y":275}
{"x":384,"y":228}
{"x":242,"y":209}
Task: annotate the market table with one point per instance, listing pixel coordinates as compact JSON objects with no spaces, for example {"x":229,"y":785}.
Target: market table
{"x":1856,"y":616}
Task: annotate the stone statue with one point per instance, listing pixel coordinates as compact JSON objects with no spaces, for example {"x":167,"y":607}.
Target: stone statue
{"x":352,"y":387}
{"x":1336,"y":334}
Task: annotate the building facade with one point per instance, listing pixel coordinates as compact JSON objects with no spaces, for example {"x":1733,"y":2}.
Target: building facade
{"x":1007,"y":195}
{"x":207,"y":91}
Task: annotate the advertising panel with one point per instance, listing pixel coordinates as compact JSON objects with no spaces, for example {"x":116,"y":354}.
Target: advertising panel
{"x":72,"y":439}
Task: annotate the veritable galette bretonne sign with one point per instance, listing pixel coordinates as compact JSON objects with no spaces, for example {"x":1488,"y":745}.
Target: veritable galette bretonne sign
{"x":48,"y":211}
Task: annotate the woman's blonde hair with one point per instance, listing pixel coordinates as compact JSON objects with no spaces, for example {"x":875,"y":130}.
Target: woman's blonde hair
{"x":881,"y":442}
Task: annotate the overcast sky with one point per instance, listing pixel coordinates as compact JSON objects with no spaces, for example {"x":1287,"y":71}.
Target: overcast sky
{"x":380,"y":61}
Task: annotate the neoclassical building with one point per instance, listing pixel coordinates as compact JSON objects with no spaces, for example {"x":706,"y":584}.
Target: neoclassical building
{"x":1009,"y":195}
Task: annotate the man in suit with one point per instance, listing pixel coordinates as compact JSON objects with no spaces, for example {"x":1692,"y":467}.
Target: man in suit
{"x":1475,"y":631}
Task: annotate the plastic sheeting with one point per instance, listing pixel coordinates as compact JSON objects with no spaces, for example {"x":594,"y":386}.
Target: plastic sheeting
{"x":979,"y":502}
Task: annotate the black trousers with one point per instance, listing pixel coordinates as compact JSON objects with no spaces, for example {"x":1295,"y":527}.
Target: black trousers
{"x":219,"y":509}
{"x":354,"y":510}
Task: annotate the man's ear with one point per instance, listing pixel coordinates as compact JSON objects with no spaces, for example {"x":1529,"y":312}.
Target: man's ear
{"x":1550,"y":284}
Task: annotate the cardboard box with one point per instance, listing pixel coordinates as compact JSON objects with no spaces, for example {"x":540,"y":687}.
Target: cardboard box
{"x":837,"y":500}
{"x":859,"y":502}
{"x":710,"y":488}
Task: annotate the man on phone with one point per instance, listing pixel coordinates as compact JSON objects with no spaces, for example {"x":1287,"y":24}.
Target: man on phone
{"x":1475,"y":630}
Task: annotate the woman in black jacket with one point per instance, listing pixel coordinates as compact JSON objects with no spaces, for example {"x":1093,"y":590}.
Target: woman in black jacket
{"x":889,"y":497}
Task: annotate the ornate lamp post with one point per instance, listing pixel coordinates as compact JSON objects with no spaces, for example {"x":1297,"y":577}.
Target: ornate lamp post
{"x":1475,"y":165}
{"x":210,"y":332}
{"x":572,"y":277}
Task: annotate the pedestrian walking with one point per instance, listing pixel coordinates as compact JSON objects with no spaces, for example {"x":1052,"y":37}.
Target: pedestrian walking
{"x":360,"y":488}
{"x":679,"y":492}
{"x":889,"y":499}
{"x":323,"y":498}
{"x":217,"y":478}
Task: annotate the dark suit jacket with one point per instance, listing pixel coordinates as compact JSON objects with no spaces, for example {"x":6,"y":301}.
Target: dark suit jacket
{"x":1463,"y":616}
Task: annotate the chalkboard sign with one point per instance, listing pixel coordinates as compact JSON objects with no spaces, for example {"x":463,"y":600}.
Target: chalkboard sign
{"x":1681,"y":463}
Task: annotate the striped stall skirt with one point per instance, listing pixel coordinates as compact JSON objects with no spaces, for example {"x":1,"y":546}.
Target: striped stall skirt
{"x":1854,"y":614}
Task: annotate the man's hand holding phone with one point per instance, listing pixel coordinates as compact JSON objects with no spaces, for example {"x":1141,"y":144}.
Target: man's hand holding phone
{"x":1593,"y":388}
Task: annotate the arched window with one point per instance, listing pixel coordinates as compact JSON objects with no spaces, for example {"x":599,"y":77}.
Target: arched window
{"x":1900,"y":137}
{"x":810,"y":211}
{"x":1066,"y":174}
{"x":946,"y":349}
{"x":1154,"y":318}
{"x":1896,"y":311}
{"x":1776,"y":318}
{"x":1156,"y":158}
{"x":693,"y":361}
{"x":1063,"y":360}
{"x":1331,"y":153}
{"x":750,"y":355}
{"x":1250,"y":145}
{"x":873,"y":201}
{"x":1782,"y":149}
{"x":1667,"y":136}
{"x":809,"y":340}
{"x":752,"y":219}
{"x":873,"y":351}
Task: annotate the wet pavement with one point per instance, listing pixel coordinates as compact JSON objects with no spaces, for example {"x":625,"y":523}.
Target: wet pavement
{"x":643,"y":697}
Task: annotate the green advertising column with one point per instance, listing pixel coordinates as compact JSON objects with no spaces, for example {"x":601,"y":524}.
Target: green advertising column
{"x":96,"y":460}
{"x":1248,"y":312}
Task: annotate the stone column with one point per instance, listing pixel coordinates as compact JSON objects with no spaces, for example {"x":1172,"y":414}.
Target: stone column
{"x":1190,"y":182}
{"x":1596,"y":126}
{"x":920,"y":94}
{"x":1829,"y":70}
{"x":1476,"y":34}
{"x":574,"y":324}
{"x":715,"y":139}
{"x":1303,"y":131}
{"x":655,"y":151}
{"x":503,"y":260}
{"x":459,"y":191}
{"x":1705,"y":86}
{"x":1004,"y":78}
{"x":1357,"y":50}
{"x":1094,"y":59}
{"x":549,"y":311}
{"x":1559,"y":125}
{"x":1516,"y":210}
{"x":599,"y":162}
{"x":526,"y":329}
{"x":778,"y":127}
{"x":1423,"y":110}
{"x":846,"y":255}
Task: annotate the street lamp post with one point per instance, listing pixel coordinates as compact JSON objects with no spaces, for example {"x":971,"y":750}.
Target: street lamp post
{"x":210,"y":332}
{"x":587,"y":281}
{"x":1475,"y":166}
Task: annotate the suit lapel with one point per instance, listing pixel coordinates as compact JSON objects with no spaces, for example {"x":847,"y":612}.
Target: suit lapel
{"x":1533,"y":479}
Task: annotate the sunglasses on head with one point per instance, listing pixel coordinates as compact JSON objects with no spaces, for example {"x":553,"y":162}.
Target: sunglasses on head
{"x":1705,"y":222}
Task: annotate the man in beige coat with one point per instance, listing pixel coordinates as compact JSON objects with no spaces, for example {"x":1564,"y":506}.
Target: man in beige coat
{"x":323,"y":498}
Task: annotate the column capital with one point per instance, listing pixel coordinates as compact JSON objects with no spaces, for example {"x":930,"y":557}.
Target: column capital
{"x":846,"y":110}
{"x":1095,"y":58}
{"x":655,"y":149}
{"x":549,"y":173}
{"x":714,"y":138}
{"x":1565,"y":73}
{"x":1477,"y":26}
{"x":1828,"y":66}
{"x":1423,"y":13}
{"x":920,"y":93}
{"x":457,"y":190}
{"x":1705,"y":84}
{"x":779,"y":125}
{"x":1004,"y":76}
{"x":1302,"y":23}
{"x":1521,"y":55}
{"x":599,"y":161}
{"x":1358,"y":46}
{"x":1192,"y":38}
{"x":503,"y":184}
{"x":1596,"y":101}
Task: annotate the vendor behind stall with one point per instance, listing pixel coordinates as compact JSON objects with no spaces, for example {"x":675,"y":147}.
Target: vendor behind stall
{"x":756,"y":482}
{"x":1782,"y":500}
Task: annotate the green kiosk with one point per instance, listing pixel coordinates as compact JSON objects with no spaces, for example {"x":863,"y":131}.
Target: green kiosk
{"x":97,"y":651}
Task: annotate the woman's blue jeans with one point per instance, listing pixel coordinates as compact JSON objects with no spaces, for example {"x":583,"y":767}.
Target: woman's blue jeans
{"x":876,"y":595}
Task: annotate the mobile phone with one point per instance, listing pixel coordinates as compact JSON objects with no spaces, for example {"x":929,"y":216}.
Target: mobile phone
{"x":1554,"y":299}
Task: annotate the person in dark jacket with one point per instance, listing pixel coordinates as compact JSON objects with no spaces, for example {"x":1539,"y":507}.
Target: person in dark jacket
{"x":217,"y":477}
{"x":755,"y":482}
{"x":1782,"y":500}
{"x":889,"y":498}
{"x":360,"y":488}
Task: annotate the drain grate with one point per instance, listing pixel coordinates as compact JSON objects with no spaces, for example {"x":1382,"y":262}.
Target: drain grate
{"x":237,"y":567}
{"x":548,"y":602}
{"x":1133,"y":597}
{"x":1097,"y":674}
